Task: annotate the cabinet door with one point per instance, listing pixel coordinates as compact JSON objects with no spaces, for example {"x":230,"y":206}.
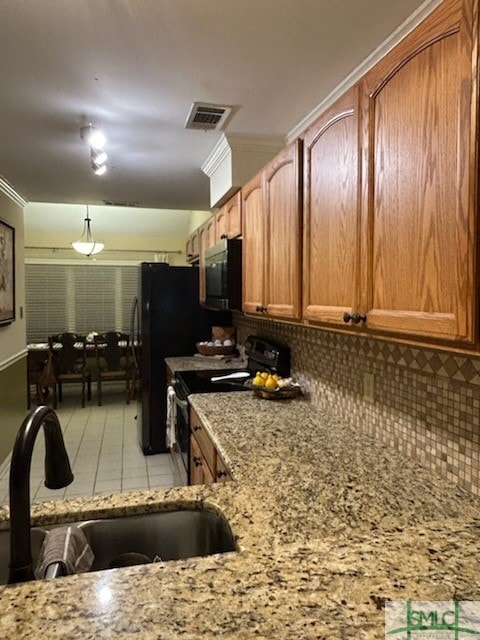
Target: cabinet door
{"x":221,"y":223}
{"x":421,"y":119}
{"x":209,"y":452}
{"x":332,"y":213}
{"x":233,"y":210}
{"x":211,"y":237}
{"x":192,"y":250}
{"x":222,"y":474}
{"x":283,"y":240}
{"x":199,"y":471}
{"x":253,"y":246}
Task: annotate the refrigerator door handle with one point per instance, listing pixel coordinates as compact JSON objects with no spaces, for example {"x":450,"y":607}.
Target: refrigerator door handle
{"x":135,"y":331}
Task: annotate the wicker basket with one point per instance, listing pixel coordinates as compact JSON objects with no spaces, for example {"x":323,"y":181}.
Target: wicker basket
{"x":204,"y":350}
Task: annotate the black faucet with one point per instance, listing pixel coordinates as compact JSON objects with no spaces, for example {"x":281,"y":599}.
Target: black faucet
{"x":58,"y":474}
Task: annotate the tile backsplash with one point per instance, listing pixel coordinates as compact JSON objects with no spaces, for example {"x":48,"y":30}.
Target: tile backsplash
{"x":426,"y":402}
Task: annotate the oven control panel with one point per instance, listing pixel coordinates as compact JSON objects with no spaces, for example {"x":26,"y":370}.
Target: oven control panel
{"x":265,"y":354}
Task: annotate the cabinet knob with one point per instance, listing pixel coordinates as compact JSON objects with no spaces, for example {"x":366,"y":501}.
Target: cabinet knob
{"x":359,"y":317}
{"x":356,"y":318}
{"x":260,"y":309}
{"x":220,"y":473}
{"x":223,"y":236}
{"x":189,"y":255}
{"x":197,"y":462}
{"x":196,"y":428}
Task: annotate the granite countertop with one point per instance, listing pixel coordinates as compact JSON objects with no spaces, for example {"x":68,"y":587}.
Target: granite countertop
{"x":329,"y":524}
{"x":199,"y":362}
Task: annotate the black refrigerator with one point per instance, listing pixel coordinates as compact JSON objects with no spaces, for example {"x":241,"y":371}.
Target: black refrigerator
{"x":170,"y":322}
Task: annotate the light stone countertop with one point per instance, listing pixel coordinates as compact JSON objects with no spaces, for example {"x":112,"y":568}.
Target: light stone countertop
{"x":330,"y":524}
{"x":199,"y":362}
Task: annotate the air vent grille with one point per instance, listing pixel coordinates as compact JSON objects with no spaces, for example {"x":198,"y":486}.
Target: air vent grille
{"x":111,"y":203}
{"x":207,"y":116}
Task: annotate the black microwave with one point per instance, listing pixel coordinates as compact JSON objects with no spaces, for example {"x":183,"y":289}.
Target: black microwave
{"x":223,"y":275}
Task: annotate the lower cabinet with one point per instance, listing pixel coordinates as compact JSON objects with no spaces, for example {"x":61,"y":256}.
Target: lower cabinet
{"x":199,"y":470}
{"x":206,"y":465}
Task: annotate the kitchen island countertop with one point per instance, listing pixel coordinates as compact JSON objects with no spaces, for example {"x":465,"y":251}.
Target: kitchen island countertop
{"x":329,"y":522}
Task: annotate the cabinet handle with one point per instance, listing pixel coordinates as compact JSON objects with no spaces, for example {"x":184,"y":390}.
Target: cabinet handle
{"x":189,"y":255}
{"x":355,"y":317}
{"x":260,"y":309}
{"x":196,"y":428}
{"x":223,"y":236}
{"x":197,"y":462}
{"x":220,"y":473}
{"x":359,"y":317}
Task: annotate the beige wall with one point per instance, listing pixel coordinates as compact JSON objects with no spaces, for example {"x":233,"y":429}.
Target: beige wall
{"x":13,"y":404}
{"x":12,"y":336}
{"x":129,"y":233}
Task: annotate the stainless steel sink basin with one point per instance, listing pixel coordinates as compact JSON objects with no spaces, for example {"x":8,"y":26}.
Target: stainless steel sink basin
{"x":126,"y":540}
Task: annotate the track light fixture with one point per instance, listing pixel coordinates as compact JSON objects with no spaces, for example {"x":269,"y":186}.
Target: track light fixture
{"x":95,"y":138}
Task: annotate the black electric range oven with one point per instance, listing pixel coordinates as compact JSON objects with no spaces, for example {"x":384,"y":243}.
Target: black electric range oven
{"x":263,"y":355}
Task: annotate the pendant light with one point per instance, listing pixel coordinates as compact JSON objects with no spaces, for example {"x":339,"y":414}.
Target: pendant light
{"x":87,"y":245}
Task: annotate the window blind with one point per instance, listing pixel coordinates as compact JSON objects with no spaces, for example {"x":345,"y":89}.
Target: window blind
{"x":78,"y":298}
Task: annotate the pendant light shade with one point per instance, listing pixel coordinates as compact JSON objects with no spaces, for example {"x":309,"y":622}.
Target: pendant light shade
{"x":87,"y":245}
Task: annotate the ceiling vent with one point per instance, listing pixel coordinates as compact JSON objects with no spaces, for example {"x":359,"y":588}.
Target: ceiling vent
{"x":111,"y":203}
{"x":207,"y":116}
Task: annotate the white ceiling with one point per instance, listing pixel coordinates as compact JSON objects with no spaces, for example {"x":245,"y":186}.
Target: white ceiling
{"x":134,"y":67}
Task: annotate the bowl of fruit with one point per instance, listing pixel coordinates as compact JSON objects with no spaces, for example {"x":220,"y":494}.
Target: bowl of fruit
{"x":271,"y":386}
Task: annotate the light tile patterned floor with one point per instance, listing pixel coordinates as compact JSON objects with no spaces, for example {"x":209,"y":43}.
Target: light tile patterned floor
{"x":103,"y":447}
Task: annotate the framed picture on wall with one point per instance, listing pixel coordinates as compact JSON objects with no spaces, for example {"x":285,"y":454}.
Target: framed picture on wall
{"x":7,"y":273}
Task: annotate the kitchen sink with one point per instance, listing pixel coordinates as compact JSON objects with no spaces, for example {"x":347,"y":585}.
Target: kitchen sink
{"x":129,"y":540}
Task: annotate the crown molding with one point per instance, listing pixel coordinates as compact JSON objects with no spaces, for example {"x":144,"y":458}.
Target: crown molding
{"x":10,"y":192}
{"x":231,"y":142}
{"x":387,"y":45}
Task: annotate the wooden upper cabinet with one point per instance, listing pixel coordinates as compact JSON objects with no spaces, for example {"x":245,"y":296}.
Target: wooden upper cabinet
{"x":221,"y":221}
{"x":228,"y":219}
{"x":193,"y":247}
{"x":233,"y":212}
{"x":211,"y":229}
{"x":332,"y":213}
{"x":253,"y":246}
{"x":421,"y":116}
{"x":282,"y":182}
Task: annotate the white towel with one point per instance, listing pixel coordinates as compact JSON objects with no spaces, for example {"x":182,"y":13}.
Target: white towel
{"x":171,"y":416}
{"x":67,"y":545}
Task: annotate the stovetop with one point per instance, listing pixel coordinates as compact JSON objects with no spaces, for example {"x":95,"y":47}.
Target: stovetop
{"x":201,"y":381}
{"x":262,"y":355}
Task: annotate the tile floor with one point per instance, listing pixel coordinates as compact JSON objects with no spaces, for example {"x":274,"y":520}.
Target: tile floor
{"x":103,"y":448}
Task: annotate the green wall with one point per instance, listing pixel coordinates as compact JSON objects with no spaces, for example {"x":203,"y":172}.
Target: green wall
{"x":13,"y":404}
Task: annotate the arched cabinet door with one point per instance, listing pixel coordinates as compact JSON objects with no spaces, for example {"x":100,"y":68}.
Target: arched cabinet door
{"x":420,"y":115}
{"x":253,"y":247}
{"x":282,"y":180}
{"x":331,"y":214}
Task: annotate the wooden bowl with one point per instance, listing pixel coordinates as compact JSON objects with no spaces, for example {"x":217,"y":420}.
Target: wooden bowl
{"x":285,"y":393}
{"x":204,"y":350}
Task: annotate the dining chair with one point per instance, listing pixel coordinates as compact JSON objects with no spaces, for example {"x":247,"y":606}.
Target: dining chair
{"x":69,"y":358}
{"x":113,"y":361}
{"x":40,"y":375}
